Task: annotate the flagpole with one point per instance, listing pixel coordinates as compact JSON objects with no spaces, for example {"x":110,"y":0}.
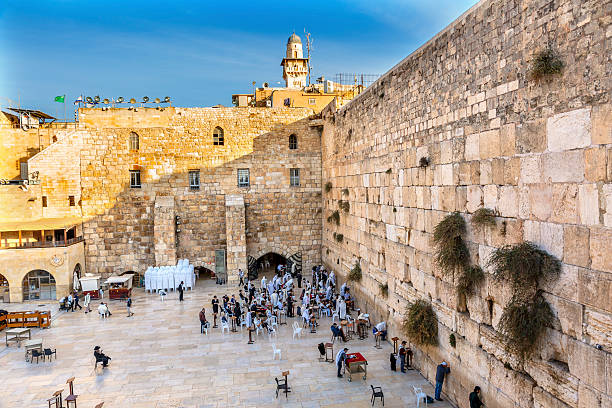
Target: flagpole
{"x":65,"y":118}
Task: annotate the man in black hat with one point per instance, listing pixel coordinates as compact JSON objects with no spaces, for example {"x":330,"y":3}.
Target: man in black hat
{"x":101,"y":357}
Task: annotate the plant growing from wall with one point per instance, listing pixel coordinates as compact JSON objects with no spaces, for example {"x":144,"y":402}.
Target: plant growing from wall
{"x":384,"y":289}
{"x":451,"y":251}
{"x":388,"y":170}
{"x":421,"y":324}
{"x":524,"y":265}
{"x":345,"y":191}
{"x":334,"y":218}
{"x":545,"y":64}
{"x":522,"y":323}
{"x":452,"y":340}
{"x":423,"y":162}
{"x":354,"y":274}
{"x":328,"y":186}
{"x":344,"y":205}
{"x":483,"y":217}
{"x":338,"y":237}
{"x":469,"y":278}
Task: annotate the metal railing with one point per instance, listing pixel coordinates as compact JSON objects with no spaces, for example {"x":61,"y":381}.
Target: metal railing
{"x":41,"y":244}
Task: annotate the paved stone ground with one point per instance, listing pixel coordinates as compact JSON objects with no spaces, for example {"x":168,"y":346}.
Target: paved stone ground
{"x":160,"y":359}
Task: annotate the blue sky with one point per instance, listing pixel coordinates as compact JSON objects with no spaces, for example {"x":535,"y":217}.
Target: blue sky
{"x":197,"y":52}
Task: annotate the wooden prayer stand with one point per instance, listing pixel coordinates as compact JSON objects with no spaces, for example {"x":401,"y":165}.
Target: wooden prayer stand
{"x":214,"y":321}
{"x":329,"y":346}
{"x":287,"y":389}
{"x":377,"y":337}
{"x":71,"y":397}
{"x":56,"y":400}
{"x":395,"y":339}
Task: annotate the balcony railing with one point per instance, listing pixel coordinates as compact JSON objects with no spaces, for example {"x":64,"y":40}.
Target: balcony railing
{"x":41,"y":244}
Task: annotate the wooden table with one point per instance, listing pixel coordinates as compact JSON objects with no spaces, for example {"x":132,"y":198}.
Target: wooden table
{"x":356,"y":363}
{"x":18,"y":335}
{"x":29,"y":345}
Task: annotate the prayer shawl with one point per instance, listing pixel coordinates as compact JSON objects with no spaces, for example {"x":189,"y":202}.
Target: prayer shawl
{"x":341,"y":309}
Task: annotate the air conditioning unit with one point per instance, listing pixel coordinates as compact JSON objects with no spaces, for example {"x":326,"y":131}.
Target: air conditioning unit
{"x":269,"y":103}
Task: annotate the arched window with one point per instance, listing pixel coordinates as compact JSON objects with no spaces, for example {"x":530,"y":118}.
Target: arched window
{"x":38,"y":285}
{"x":134,"y":141}
{"x":218,"y":139}
{"x":292,"y":142}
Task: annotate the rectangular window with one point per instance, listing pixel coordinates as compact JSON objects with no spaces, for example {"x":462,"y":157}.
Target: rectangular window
{"x":312,"y":101}
{"x":71,"y":200}
{"x":243,"y":178}
{"x":23,"y":170}
{"x":44,"y":201}
{"x":135,"y":179}
{"x":294,"y":177}
{"x":194,"y":179}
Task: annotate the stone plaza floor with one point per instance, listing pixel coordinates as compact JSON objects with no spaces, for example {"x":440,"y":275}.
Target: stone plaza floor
{"x":160,"y":359}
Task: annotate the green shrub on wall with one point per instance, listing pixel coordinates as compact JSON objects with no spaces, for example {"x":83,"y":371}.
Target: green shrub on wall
{"x":384,"y":289}
{"x":334,"y":218}
{"x":452,"y":340}
{"x":522,"y":323}
{"x":469,"y":278}
{"x":344,"y":205}
{"x":451,"y":251}
{"x":483,"y":217}
{"x":421,"y":324}
{"x":355,"y":274}
{"x":328,"y":186}
{"x":546,"y":63}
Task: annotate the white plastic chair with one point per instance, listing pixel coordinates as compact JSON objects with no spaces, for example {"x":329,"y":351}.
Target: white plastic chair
{"x":276,"y":351}
{"x":224,"y":326}
{"x":418,"y":391}
{"x":272,"y":332}
{"x":297,"y":330}
{"x":243,"y":323}
{"x":273,"y":322}
{"x":335,"y":315}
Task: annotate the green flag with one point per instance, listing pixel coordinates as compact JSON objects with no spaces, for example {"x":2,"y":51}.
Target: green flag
{"x":60,"y":98}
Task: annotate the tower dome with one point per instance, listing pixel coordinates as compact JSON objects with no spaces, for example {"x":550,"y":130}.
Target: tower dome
{"x":294,"y":39}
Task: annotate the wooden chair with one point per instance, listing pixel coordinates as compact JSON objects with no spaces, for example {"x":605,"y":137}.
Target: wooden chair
{"x":36,"y":354}
{"x":282,"y":385}
{"x":71,"y":398}
{"x":56,"y":400}
{"x":377,"y":393}
{"x":50,"y":353}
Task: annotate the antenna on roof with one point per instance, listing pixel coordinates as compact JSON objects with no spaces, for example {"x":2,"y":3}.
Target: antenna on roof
{"x":308,"y":48}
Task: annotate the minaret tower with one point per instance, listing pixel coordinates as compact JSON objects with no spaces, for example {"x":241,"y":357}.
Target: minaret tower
{"x":295,"y":66}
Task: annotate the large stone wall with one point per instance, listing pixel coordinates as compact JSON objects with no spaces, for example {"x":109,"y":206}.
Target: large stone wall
{"x":539,"y":154}
{"x":119,"y":221}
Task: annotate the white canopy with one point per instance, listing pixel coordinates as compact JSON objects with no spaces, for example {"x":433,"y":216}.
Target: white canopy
{"x":120,"y":279}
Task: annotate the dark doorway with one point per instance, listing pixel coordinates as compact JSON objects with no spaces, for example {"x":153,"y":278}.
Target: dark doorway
{"x":268,"y":263}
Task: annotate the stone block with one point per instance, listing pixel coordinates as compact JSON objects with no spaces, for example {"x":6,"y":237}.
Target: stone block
{"x":508,"y":201}
{"x":512,"y":171}
{"x":551,"y":238}
{"x":569,"y":314}
{"x":576,"y":245}
{"x":588,"y":204}
{"x":601,"y":249}
{"x":489,"y":144}
{"x":569,"y":130}
{"x":530,"y":169}
{"x":475,"y":199}
{"x":564,"y":203}
{"x":595,"y":164}
{"x":472,"y":147}
{"x":543,"y":399}
{"x":598,"y":326}
{"x":594,"y":288}
{"x":540,"y":201}
{"x":607,"y":204}
{"x":563,"y":167}
{"x":601,"y":117}
{"x":585,"y":362}
{"x":507,"y":139}
{"x":485,"y":172}
{"x":531,"y":137}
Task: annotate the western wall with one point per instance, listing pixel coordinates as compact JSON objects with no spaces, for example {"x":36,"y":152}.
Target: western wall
{"x":538,"y":153}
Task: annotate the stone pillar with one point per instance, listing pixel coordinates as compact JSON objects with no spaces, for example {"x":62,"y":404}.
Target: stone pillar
{"x":235,"y":233}
{"x":163,"y":231}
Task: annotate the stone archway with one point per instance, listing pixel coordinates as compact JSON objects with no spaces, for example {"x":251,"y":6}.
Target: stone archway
{"x":4,"y":289}
{"x":39,"y":284}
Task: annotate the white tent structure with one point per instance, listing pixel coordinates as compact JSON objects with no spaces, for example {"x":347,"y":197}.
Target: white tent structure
{"x":170,"y":277}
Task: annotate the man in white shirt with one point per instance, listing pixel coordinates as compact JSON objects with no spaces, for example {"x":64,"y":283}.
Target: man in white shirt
{"x":381,"y":330}
{"x":103,"y":309}
{"x":341,"y":358}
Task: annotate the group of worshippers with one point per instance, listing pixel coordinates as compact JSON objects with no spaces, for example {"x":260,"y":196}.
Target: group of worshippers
{"x":258,"y":302}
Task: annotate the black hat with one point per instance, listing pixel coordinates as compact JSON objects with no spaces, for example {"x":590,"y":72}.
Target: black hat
{"x":97,"y":348}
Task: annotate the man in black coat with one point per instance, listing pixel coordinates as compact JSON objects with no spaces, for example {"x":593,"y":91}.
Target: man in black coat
{"x":441,"y":372}
{"x":475,"y":401}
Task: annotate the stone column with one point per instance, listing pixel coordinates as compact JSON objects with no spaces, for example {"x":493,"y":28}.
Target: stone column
{"x":163,"y":231}
{"x":235,"y":224}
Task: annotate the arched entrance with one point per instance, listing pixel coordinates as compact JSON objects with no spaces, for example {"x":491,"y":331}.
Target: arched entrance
{"x":4,"y":289}
{"x":268,"y":263}
{"x":39,"y":285}
{"x":76,"y":276}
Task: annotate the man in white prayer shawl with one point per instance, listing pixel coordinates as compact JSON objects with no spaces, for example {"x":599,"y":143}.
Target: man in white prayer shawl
{"x":341,"y":309}
{"x":329,"y":293}
{"x":343,"y":289}
{"x":263,"y":283}
{"x":274,"y":298}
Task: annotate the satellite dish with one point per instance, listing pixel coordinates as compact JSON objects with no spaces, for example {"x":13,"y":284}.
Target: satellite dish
{"x":120,"y":99}
{"x":106,"y":101}
{"x":132,"y":100}
{"x":157,"y":100}
{"x":89,"y":100}
{"x":167,"y":99}
{"x":145,"y":99}
{"x":96,"y":99}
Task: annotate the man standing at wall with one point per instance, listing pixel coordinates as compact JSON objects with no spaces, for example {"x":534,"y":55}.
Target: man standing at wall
{"x":441,"y":372}
{"x":341,"y":358}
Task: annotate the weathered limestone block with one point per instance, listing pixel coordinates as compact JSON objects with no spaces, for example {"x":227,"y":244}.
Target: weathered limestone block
{"x":569,"y":130}
{"x":531,"y":137}
{"x":598,"y":326}
{"x":576,"y":245}
{"x":595,"y":288}
{"x":563,"y":167}
{"x":585,"y":361}
{"x":555,"y":380}
{"x":530,"y":169}
{"x":543,"y":399}
{"x":601,"y":248}
{"x":565,"y":203}
{"x":601,"y":117}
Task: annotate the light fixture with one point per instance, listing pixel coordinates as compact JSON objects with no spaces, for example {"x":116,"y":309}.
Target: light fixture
{"x":89,"y":99}
{"x":97,"y":99}
{"x":132,"y":100}
{"x":157,"y":100}
{"x":167,"y":99}
{"x":120,"y":99}
{"x":106,"y":101}
{"x":145,"y":99}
